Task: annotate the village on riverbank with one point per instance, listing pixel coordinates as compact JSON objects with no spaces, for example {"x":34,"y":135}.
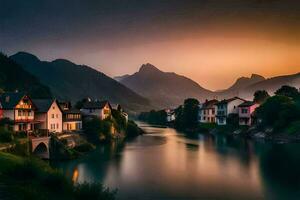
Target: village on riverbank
{"x":53,"y":129}
{"x":265,"y":117}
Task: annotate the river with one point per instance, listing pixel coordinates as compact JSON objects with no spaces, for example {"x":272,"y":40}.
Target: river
{"x":164,"y":164}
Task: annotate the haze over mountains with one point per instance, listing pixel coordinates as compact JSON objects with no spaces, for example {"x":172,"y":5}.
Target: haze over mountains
{"x":166,"y":89}
{"x":74,"y":82}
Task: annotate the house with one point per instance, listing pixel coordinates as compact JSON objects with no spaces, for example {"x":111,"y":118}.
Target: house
{"x":246,"y":111}
{"x":170,"y":115}
{"x":19,"y":108}
{"x":226,"y":107}
{"x":49,"y":115}
{"x":207,"y":111}
{"x":100,"y":109}
{"x":72,"y":119}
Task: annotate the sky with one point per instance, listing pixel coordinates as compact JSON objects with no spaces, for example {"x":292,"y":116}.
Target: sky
{"x":210,"y":41}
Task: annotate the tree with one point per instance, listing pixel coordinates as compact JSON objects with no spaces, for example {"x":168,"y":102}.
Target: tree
{"x":187,"y":115}
{"x":278,"y":112}
{"x":288,"y":91}
{"x":260,"y":96}
{"x":79,"y":104}
{"x":154,"y":117}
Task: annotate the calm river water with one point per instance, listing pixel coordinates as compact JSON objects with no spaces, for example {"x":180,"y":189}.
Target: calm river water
{"x":165,"y":165}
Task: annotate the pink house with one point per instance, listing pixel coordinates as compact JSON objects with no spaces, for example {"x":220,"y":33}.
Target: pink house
{"x":246,"y":111}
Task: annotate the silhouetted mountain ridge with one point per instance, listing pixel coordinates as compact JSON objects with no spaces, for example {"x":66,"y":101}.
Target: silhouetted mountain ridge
{"x":165,"y":89}
{"x":70,"y":81}
{"x":14,"y":77}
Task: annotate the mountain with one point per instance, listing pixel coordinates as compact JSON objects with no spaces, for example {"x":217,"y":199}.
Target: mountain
{"x":120,"y":78}
{"x":246,"y":87}
{"x":13,"y":77}
{"x":272,"y":84}
{"x":164,"y":89}
{"x":240,"y":85}
{"x":74,"y":82}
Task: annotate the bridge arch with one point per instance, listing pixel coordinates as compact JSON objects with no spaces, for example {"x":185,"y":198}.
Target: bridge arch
{"x":40,"y":147}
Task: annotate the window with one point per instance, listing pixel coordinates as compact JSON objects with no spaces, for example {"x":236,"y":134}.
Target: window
{"x":53,"y":107}
{"x":57,"y":125}
{"x":56,"y":115}
{"x":19,"y":112}
{"x":244,"y":110}
{"x":52,"y":116}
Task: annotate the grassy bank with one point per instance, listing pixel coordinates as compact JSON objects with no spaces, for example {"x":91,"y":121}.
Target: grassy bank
{"x":31,"y":178}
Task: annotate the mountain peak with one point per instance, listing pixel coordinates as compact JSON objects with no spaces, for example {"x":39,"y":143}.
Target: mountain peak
{"x":257,"y":76}
{"x":26,"y":56}
{"x":63,"y":62}
{"x":149,"y":68}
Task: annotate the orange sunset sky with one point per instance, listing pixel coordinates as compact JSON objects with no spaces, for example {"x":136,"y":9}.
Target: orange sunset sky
{"x":212,"y":42}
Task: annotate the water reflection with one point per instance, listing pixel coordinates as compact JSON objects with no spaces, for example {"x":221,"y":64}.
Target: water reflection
{"x":165,"y":164}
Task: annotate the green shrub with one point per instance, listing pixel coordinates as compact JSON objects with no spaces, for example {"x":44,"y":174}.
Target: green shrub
{"x":133,"y":130}
{"x":206,"y":126}
{"x":86,"y":147}
{"x":34,"y":179}
{"x":293,"y":128}
{"x":6,"y":135}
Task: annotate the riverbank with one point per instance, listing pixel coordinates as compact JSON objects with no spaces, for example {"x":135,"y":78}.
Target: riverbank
{"x":31,"y":178}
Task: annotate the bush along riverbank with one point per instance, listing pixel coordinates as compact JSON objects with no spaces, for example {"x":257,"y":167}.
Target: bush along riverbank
{"x":31,"y":178}
{"x":114,"y":127}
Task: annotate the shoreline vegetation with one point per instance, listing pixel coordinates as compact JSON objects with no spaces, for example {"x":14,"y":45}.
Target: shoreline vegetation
{"x":25,"y":176}
{"x":277,"y":118}
{"x":31,"y":178}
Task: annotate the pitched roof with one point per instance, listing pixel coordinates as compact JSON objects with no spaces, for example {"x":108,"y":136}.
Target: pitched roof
{"x":72,"y":111}
{"x":9,"y":100}
{"x":43,"y":105}
{"x":225,"y":101}
{"x":247,"y":104}
{"x":209,"y":104}
{"x":95,"y":105}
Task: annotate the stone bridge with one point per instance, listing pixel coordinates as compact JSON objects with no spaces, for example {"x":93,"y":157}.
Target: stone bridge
{"x":40,"y":146}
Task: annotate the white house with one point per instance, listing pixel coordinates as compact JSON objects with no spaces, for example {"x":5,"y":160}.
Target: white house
{"x":246,"y":111}
{"x":49,"y":115}
{"x":170,"y":115}
{"x":226,"y":107}
{"x":207,"y":111}
{"x":100,"y":109}
{"x":19,"y":108}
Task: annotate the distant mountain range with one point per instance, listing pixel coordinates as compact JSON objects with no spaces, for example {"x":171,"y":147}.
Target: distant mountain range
{"x":74,"y":82}
{"x":164,"y":89}
{"x":13,"y":77}
{"x":167,"y":89}
{"x":144,"y":90}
